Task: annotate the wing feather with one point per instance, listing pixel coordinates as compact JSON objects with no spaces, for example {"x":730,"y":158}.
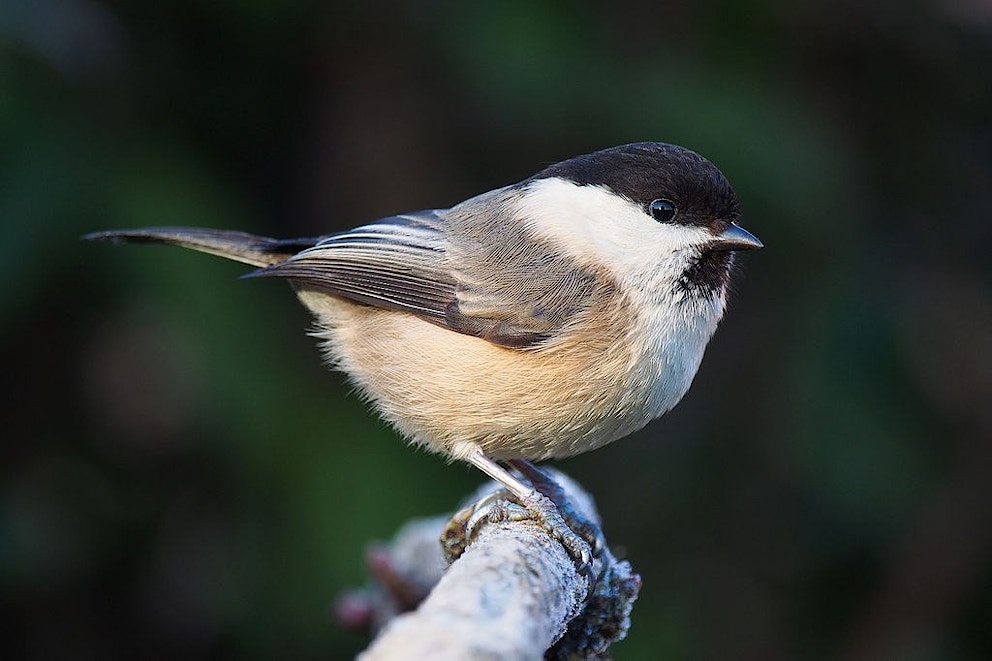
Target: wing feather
{"x":397,"y":263}
{"x":464,"y":268}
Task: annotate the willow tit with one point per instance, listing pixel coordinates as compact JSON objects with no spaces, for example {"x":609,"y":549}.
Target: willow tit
{"x":535,"y":321}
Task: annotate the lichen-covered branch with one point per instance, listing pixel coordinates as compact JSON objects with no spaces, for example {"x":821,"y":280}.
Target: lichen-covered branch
{"x":513,"y":594}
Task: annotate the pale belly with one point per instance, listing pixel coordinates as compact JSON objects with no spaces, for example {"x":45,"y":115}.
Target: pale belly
{"x":445,"y":390}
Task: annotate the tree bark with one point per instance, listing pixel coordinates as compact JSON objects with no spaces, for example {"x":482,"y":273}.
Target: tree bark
{"x":513,"y":594}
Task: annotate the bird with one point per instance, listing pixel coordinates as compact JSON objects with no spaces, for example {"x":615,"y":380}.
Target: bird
{"x":537,"y":321}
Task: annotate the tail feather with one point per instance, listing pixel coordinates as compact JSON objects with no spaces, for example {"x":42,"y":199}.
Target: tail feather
{"x":239,"y":246}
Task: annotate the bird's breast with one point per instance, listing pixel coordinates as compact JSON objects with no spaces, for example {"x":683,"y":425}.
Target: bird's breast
{"x":445,"y":390}
{"x":668,"y":343}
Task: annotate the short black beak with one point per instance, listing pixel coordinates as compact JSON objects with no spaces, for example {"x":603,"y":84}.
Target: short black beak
{"x":735,"y":237}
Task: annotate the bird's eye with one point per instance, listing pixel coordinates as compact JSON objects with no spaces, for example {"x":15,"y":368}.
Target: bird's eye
{"x":662,"y":210}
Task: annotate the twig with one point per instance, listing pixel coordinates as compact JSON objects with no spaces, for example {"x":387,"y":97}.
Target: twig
{"x":512,"y":594}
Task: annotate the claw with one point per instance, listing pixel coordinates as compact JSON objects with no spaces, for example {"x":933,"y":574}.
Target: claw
{"x":547,"y":504}
{"x":497,"y":506}
{"x":585,"y":527}
{"x":547,"y":514}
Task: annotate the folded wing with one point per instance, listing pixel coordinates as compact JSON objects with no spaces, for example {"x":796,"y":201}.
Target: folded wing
{"x":396,"y":263}
{"x":500,"y":288}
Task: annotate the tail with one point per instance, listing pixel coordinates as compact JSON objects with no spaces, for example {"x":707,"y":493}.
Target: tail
{"x":239,"y":246}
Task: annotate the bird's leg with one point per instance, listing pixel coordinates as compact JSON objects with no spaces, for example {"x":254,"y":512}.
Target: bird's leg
{"x":538,"y":507}
{"x":588,"y":529}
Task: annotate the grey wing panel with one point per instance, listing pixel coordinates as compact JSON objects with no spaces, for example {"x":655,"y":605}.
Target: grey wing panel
{"x":513,"y":289}
{"x":526,"y":300}
{"x":467,"y":268}
{"x":396,"y":263}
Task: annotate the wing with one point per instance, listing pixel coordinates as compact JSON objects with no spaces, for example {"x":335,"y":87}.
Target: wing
{"x":513,"y":288}
{"x":396,"y":263}
{"x":464,"y":268}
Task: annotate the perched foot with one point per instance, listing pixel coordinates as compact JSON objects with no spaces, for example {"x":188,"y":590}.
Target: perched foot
{"x":531,"y":503}
{"x":544,"y":511}
{"x":497,"y":506}
{"x":463,"y":527}
{"x":585,"y":527}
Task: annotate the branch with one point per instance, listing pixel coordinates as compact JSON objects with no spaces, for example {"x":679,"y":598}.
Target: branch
{"x":513,"y":593}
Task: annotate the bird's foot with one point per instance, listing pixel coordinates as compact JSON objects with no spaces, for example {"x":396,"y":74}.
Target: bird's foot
{"x":539,"y":498}
{"x":578,"y":522}
{"x":501,"y":505}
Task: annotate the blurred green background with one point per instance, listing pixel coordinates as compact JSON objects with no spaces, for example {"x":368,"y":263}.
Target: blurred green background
{"x":181,"y":478}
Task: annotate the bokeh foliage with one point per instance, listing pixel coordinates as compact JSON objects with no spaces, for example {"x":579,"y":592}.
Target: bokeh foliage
{"x":180,"y":476}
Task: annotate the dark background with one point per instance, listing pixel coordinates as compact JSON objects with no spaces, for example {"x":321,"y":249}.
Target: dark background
{"x":182,"y":479}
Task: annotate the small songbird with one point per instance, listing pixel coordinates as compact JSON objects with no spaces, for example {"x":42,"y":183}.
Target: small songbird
{"x":539,"y":320}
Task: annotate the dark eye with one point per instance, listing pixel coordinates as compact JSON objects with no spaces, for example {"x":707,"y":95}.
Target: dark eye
{"x":662,"y":210}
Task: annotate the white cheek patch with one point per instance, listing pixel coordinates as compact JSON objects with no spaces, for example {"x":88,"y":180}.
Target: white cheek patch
{"x":595,"y":225}
{"x":673,"y":325}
